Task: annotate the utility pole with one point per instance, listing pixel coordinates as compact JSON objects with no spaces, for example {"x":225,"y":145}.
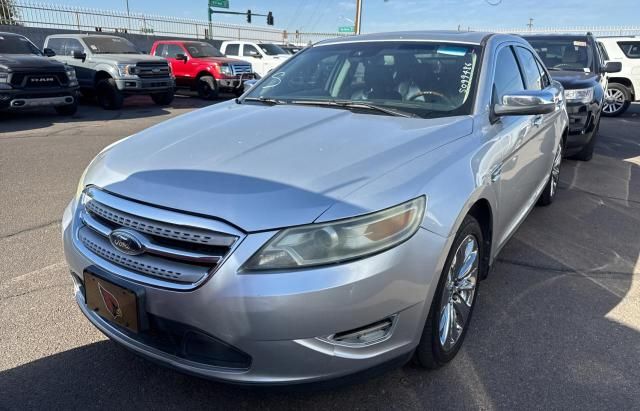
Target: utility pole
{"x":127,"y":7}
{"x":358,"y":22}
{"x":530,"y":25}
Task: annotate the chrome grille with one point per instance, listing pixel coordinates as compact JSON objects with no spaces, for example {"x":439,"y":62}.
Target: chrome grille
{"x":147,"y":70}
{"x":241,"y":69}
{"x":183,"y":252}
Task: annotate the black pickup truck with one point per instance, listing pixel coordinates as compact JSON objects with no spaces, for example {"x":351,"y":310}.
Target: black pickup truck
{"x":576,"y":62}
{"x":28,"y":79}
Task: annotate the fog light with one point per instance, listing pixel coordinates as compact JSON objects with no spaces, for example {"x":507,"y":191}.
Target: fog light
{"x":367,"y":335}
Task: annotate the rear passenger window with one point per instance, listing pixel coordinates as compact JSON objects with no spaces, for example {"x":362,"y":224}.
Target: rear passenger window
{"x":529,"y":66}
{"x":232,"y":50}
{"x":57,"y":45}
{"x":507,"y":78}
{"x":630,"y":49}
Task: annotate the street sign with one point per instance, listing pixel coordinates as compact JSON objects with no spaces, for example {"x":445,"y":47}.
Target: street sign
{"x":223,"y":4}
{"x":346,"y":29}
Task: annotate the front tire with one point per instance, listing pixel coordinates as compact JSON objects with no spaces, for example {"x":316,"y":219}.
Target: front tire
{"x":549,"y":192}
{"x":586,"y":154}
{"x":454,"y":299}
{"x":616,"y":100}
{"x":109,"y":97}
{"x":207,"y":88}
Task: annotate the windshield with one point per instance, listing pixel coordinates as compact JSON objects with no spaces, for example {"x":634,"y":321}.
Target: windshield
{"x":271,"y":49}
{"x":563,"y":53}
{"x":424,"y":79}
{"x":110,"y":45}
{"x":17,"y":45}
{"x":201,"y":50}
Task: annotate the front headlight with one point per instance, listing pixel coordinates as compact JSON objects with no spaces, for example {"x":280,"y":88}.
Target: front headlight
{"x":71,"y":75}
{"x":127,"y":70}
{"x":226,"y":70}
{"x":339,"y":241}
{"x":582,"y":95}
{"x":4,"y":80}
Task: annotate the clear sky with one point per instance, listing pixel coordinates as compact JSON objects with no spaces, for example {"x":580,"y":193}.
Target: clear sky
{"x":388,"y":15}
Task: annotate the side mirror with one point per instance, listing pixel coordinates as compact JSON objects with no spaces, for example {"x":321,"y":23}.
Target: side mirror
{"x":181,"y":57}
{"x":612,"y":67}
{"x":525,"y":103}
{"x":48,"y":52}
{"x":255,"y":54}
{"x":79,"y":55}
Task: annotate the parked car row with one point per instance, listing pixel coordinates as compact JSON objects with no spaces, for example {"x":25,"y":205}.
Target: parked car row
{"x":111,"y":68}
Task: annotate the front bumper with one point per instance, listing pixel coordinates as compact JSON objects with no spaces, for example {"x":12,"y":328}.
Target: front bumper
{"x":19,"y":99}
{"x":278,"y":319}
{"x":234,"y":84}
{"x":583,"y":120}
{"x":136,"y":85}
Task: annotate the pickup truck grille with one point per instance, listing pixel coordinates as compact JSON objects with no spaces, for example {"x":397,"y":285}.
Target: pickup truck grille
{"x":37,"y":80}
{"x":147,"y":70}
{"x":241,"y":69}
{"x":178,"y":254}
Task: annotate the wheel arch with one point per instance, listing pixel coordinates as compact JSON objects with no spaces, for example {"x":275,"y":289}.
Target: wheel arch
{"x":101,"y":75}
{"x":625,"y":82}
{"x":483,"y":213}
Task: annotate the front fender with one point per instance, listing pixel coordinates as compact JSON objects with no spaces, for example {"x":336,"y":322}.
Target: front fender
{"x":113,"y":72}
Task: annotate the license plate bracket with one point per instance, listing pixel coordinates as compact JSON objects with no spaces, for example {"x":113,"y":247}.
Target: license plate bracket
{"x":114,"y":300}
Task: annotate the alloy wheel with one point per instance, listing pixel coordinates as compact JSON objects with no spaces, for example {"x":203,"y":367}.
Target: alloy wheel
{"x":613,"y":101}
{"x":458,"y":292}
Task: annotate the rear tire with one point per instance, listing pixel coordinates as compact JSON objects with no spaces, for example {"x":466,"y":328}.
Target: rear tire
{"x":163,"y":99}
{"x":549,"y":192}
{"x":109,"y":97}
{"x":67,"y":110}
{"x":454,"y":298}
{"x":620,"y":97}
{"x":207,"y":88}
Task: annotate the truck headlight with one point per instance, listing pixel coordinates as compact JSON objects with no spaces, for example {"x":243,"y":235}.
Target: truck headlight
{"x":226,"y":70}
{"x":71,"y":75}
{"x":341,"y":240}
{"x":127,"y":70}
{"x":4,"y":80}
{"x":582,"y":95}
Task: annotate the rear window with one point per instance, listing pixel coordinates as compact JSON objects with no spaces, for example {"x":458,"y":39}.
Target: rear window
{"x":631,"y":49}
{"x":232,"y":49}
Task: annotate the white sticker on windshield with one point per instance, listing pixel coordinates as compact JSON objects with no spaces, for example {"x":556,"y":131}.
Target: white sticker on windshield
{"x":116,"y":40}
{"x":452,"y":51}
{"x":93,"y":47}
{"x":587,"y":70}
{"x":580,"y":43}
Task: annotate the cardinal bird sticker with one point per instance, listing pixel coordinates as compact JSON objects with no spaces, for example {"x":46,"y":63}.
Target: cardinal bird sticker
{"x":110,"y":302}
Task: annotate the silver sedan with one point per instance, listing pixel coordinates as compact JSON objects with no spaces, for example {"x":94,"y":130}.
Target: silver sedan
{"x":336,"y":217}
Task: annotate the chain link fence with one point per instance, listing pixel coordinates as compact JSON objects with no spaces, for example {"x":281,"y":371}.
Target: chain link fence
{"x":32,"y":14}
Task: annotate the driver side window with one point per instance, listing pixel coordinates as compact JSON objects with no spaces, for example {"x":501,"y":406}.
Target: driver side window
{"x":507,"y":77}
{"x":249,"y":51}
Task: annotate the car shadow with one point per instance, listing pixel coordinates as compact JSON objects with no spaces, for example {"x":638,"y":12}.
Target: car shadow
{"x":556,"y":327}
{"x":88,"y":110}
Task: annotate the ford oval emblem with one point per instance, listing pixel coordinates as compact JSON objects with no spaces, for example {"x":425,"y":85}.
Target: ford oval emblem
{"x":126,"y":242}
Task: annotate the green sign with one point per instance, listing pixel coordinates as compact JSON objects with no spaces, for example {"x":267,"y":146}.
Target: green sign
{"x":346,"y":29}
{"x":223,"y":4}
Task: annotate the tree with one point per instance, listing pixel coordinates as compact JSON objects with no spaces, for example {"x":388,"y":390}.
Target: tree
{"x":8,"y":12}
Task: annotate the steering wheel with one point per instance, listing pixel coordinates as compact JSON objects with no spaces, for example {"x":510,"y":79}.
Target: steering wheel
{"x":444,"y":98}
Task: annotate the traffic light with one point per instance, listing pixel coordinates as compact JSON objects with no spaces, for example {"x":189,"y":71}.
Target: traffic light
{"x":270,"y":19}
{"x":248,"y":16}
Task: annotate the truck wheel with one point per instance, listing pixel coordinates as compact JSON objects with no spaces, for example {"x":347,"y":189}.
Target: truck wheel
{"x":109,"y":97}
{"x":67,"y":110}
{"x":163,"y":99}
{"x":587,"y":152}
{"x":207,"y":88}
{"x":616,"y":100}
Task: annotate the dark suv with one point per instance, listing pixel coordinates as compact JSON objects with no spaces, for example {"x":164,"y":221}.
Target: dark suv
{"x":576,"y":62}
{"x":28,"y":79}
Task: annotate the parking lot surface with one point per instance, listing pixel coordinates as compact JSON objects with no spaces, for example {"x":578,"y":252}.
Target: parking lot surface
{"x":557,"y":323}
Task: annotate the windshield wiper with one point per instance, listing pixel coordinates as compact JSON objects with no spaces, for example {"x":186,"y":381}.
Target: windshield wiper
{"x":265,"y":100}
{"x":356,"y":105}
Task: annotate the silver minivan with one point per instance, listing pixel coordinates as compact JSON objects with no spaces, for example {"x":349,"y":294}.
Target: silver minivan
{"x":336,"y":217}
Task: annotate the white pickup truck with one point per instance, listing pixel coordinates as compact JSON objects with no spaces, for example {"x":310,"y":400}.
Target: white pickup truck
{"x":262,"y":56}
{"x":624,"y":87}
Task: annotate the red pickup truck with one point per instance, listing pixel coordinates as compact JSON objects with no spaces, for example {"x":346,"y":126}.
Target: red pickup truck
{"x":200,"y":66}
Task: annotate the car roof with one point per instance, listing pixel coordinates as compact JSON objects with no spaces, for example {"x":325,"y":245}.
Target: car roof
{"x":80,"y":36}
{"x":453,"y":36}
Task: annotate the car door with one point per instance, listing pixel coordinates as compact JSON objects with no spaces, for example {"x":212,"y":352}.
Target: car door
{"x":518,"y":174}
{"x":251,"y":54}
{"x":180,"y":66}
{"x":84,"y":70}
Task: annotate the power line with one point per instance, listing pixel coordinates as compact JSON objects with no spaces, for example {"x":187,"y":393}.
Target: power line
{"x":296,"y":14}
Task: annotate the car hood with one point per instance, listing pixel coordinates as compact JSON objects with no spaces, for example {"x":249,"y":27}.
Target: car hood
{"x":129,"y":58}
{"x":265,"y":167}
{"x":26,"y":61}
{"x":227,"y":60}
{"x":574,"y":79}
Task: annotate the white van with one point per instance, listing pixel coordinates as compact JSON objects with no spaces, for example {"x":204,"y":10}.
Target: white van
{"x":624,"y":87}
{"x":262,"y":56}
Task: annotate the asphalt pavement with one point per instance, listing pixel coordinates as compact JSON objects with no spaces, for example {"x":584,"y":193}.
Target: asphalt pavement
{"x":557,"y":325}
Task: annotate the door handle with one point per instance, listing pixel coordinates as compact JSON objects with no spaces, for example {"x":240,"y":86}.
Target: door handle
{"x":537,"y":120}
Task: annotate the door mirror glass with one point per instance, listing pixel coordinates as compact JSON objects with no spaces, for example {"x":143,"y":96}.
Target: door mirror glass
{"x":528,"y":102}
{"x":612,"y":67}
{"x":182,"y":57}
{"x":48,"y":52}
